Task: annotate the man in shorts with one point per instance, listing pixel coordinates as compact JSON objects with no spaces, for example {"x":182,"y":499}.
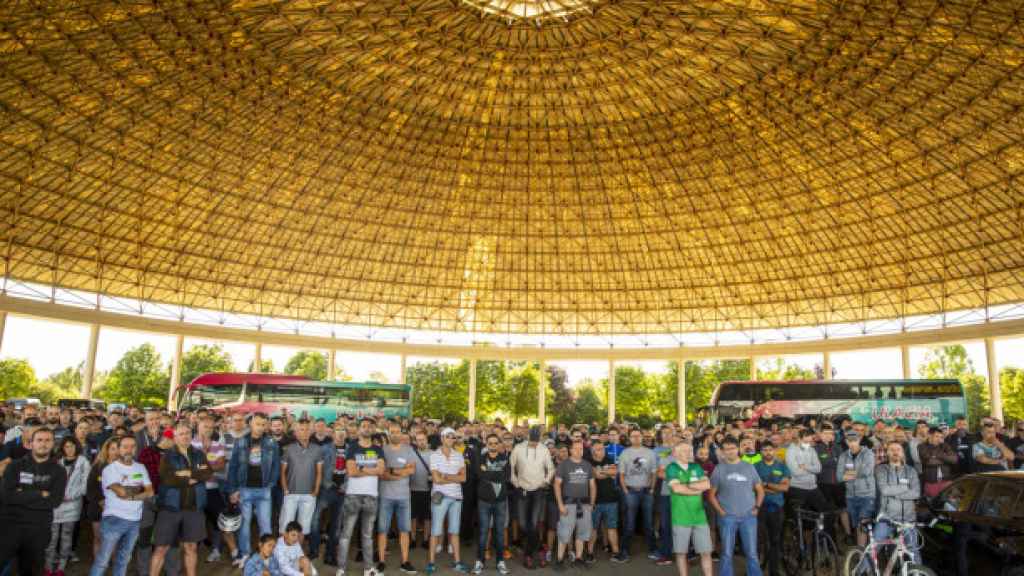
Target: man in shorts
{"x":181,"y":499}
{"x":606,"y":508}
{"x":687,"y":483}
{"x":575,"y":494}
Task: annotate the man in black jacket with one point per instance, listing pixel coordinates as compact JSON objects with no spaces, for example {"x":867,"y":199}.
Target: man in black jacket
{"x":495,"y":477}
{"x":33,"y":486}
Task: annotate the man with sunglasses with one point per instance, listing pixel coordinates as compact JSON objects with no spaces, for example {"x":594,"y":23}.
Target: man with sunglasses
{"x":1016,"y":445}
{"x":494,"y":476}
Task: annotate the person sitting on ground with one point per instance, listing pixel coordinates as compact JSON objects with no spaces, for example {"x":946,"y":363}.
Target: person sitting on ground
{"x":289,"y":559}
{"x":259,"y":564}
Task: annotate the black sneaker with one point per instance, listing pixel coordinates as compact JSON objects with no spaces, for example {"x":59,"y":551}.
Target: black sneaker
{"x":620,"y":558}
{"x":580,"y":564}
{"x":588,"y":557}
{"x":381,"y":567}
{"x":407,"y":568}
{"x":359,"y":557}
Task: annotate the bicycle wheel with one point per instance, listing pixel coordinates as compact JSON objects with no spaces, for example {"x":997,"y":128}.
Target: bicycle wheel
{"x":857,"y":563}
{"x":919,"y":570}
{"x":791,"y":551}
{"x":826,"y":557}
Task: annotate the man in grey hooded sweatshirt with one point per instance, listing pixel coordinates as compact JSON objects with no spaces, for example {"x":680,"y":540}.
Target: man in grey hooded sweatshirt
{"x":898,"y":490}
{"x":856,"y":469}
{"x":804,"y":465}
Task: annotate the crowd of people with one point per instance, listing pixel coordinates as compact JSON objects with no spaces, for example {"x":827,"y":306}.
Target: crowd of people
{"x":164,"y":489}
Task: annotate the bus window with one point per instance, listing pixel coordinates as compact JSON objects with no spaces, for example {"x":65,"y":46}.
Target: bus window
{"x":215,"y":395}
{"x":289,"y":394}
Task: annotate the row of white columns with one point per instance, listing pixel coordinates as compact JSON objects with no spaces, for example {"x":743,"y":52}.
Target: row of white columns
{"x":995,"y":395}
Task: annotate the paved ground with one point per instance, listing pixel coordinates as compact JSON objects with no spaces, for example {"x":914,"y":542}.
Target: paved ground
{"x":639,"y":564}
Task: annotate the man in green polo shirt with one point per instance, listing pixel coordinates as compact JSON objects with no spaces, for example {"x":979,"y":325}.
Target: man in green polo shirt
{"x":687,"y":481}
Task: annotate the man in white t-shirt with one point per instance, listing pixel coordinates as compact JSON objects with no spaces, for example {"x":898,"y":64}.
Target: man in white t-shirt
{"x":448,"y":470}
{"x":125,"y":485}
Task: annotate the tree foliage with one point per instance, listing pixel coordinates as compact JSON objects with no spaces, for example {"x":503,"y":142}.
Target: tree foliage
{"x":17,"y":378}
{"x":439,"y":390}
{"x":204,"y":358}
{"x":266,"y":365}
{"x":779,"y":370}
{"x":309,"y":363}
{"x":952,"y":362}
{"x":1011,"y":384}
{"x":138,"y":379}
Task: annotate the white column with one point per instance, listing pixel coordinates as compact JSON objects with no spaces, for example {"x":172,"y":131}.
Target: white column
{"x":332,"y":364}
{"x":3,"y":326}
{"x":826,"y":365}
{"x":611,"y":391}
{"x":905,"y":359}
{"x":681,"y":392}
{"x":541,"y":393}
{"x":753,"y":367}
{"x":90,"y":362}
{"x":472,"y":389}
{"x":179,"y":347}
{"x":995,"y":394}
{"x":401,"y":377}
{"x":257,"y":360}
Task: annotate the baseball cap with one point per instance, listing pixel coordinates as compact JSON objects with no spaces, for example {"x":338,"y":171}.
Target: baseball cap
{"x":852,"y":435}
{"x":446,"y":432}
{"x":168,"y":433}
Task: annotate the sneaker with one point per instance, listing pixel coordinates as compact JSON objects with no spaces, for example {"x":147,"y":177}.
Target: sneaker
{"x":431,"y":568}
{"x":560,"y":566}
{"x":570,"y":556}
{"x":653,"y":556}
{"x":620,"y":558}
{"x":580,"y":564}
{"x":213,"y":556}
{"x":588,"y":557}
{"x":407,"y":568}
{"x":664,"y":561}
{"x":371,"y":571}
{"x":339,"y":572}
{"x":478,"y":567}
{"x":74,"y":557}
{"x":240,"y":561}
{"x":460,"y":567}
{"x":502,"y":569}
{"x":381,"y":567}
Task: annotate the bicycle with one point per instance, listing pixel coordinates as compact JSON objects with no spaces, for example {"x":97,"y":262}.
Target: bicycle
{"x":868,"y":561}
{"x":815,"y":554}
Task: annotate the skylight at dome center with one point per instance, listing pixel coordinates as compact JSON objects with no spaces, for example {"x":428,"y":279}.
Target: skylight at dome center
{"x":532,"y":9}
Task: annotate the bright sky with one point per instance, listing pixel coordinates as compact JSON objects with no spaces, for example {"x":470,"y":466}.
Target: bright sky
{"x":52,"y":346}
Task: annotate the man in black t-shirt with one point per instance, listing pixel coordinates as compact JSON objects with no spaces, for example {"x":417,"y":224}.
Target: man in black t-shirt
{"x":607,"y":507}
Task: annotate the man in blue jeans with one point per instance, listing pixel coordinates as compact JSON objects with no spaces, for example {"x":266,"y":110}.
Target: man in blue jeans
{"x":638,"y":466}
{"x":125,"y":485}
{"x":254,"y":468}
{"x":736,"y":494}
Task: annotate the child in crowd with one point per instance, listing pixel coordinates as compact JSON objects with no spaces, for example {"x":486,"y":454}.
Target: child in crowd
{"x":259,"y":564}
{"x":289,"y":559}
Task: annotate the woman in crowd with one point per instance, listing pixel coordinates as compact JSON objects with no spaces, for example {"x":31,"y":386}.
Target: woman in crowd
{"x":94,"y":492}
{"x":66,"y":516}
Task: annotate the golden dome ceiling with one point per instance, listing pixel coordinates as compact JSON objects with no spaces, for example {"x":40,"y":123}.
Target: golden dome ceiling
{"x":574,"y":166}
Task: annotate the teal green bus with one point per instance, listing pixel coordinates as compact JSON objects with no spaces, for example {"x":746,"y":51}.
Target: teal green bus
{"x":276,"y":393}
{"x":899,"y":401}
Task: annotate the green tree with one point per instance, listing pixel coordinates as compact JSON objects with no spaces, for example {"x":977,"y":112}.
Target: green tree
{"x":779,"y":370}
{"x":562,"y":397}
{"x":67,"y":380}
{"x":309,"y":363}
{"x":512,"y":390}
{"x":490,"y":384}
{"x":138,"y":379}
{"x":439,"y":390}
{"x":204,"y":358}
{"x":952,"y":362}
{"x":266,"y":365}
{"x":635,"y":395}
{"x":1011,"y":384}
{"x":17,"y":378}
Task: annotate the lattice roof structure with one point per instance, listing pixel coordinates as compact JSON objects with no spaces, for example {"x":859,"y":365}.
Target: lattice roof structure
{"x":531,"y":166}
